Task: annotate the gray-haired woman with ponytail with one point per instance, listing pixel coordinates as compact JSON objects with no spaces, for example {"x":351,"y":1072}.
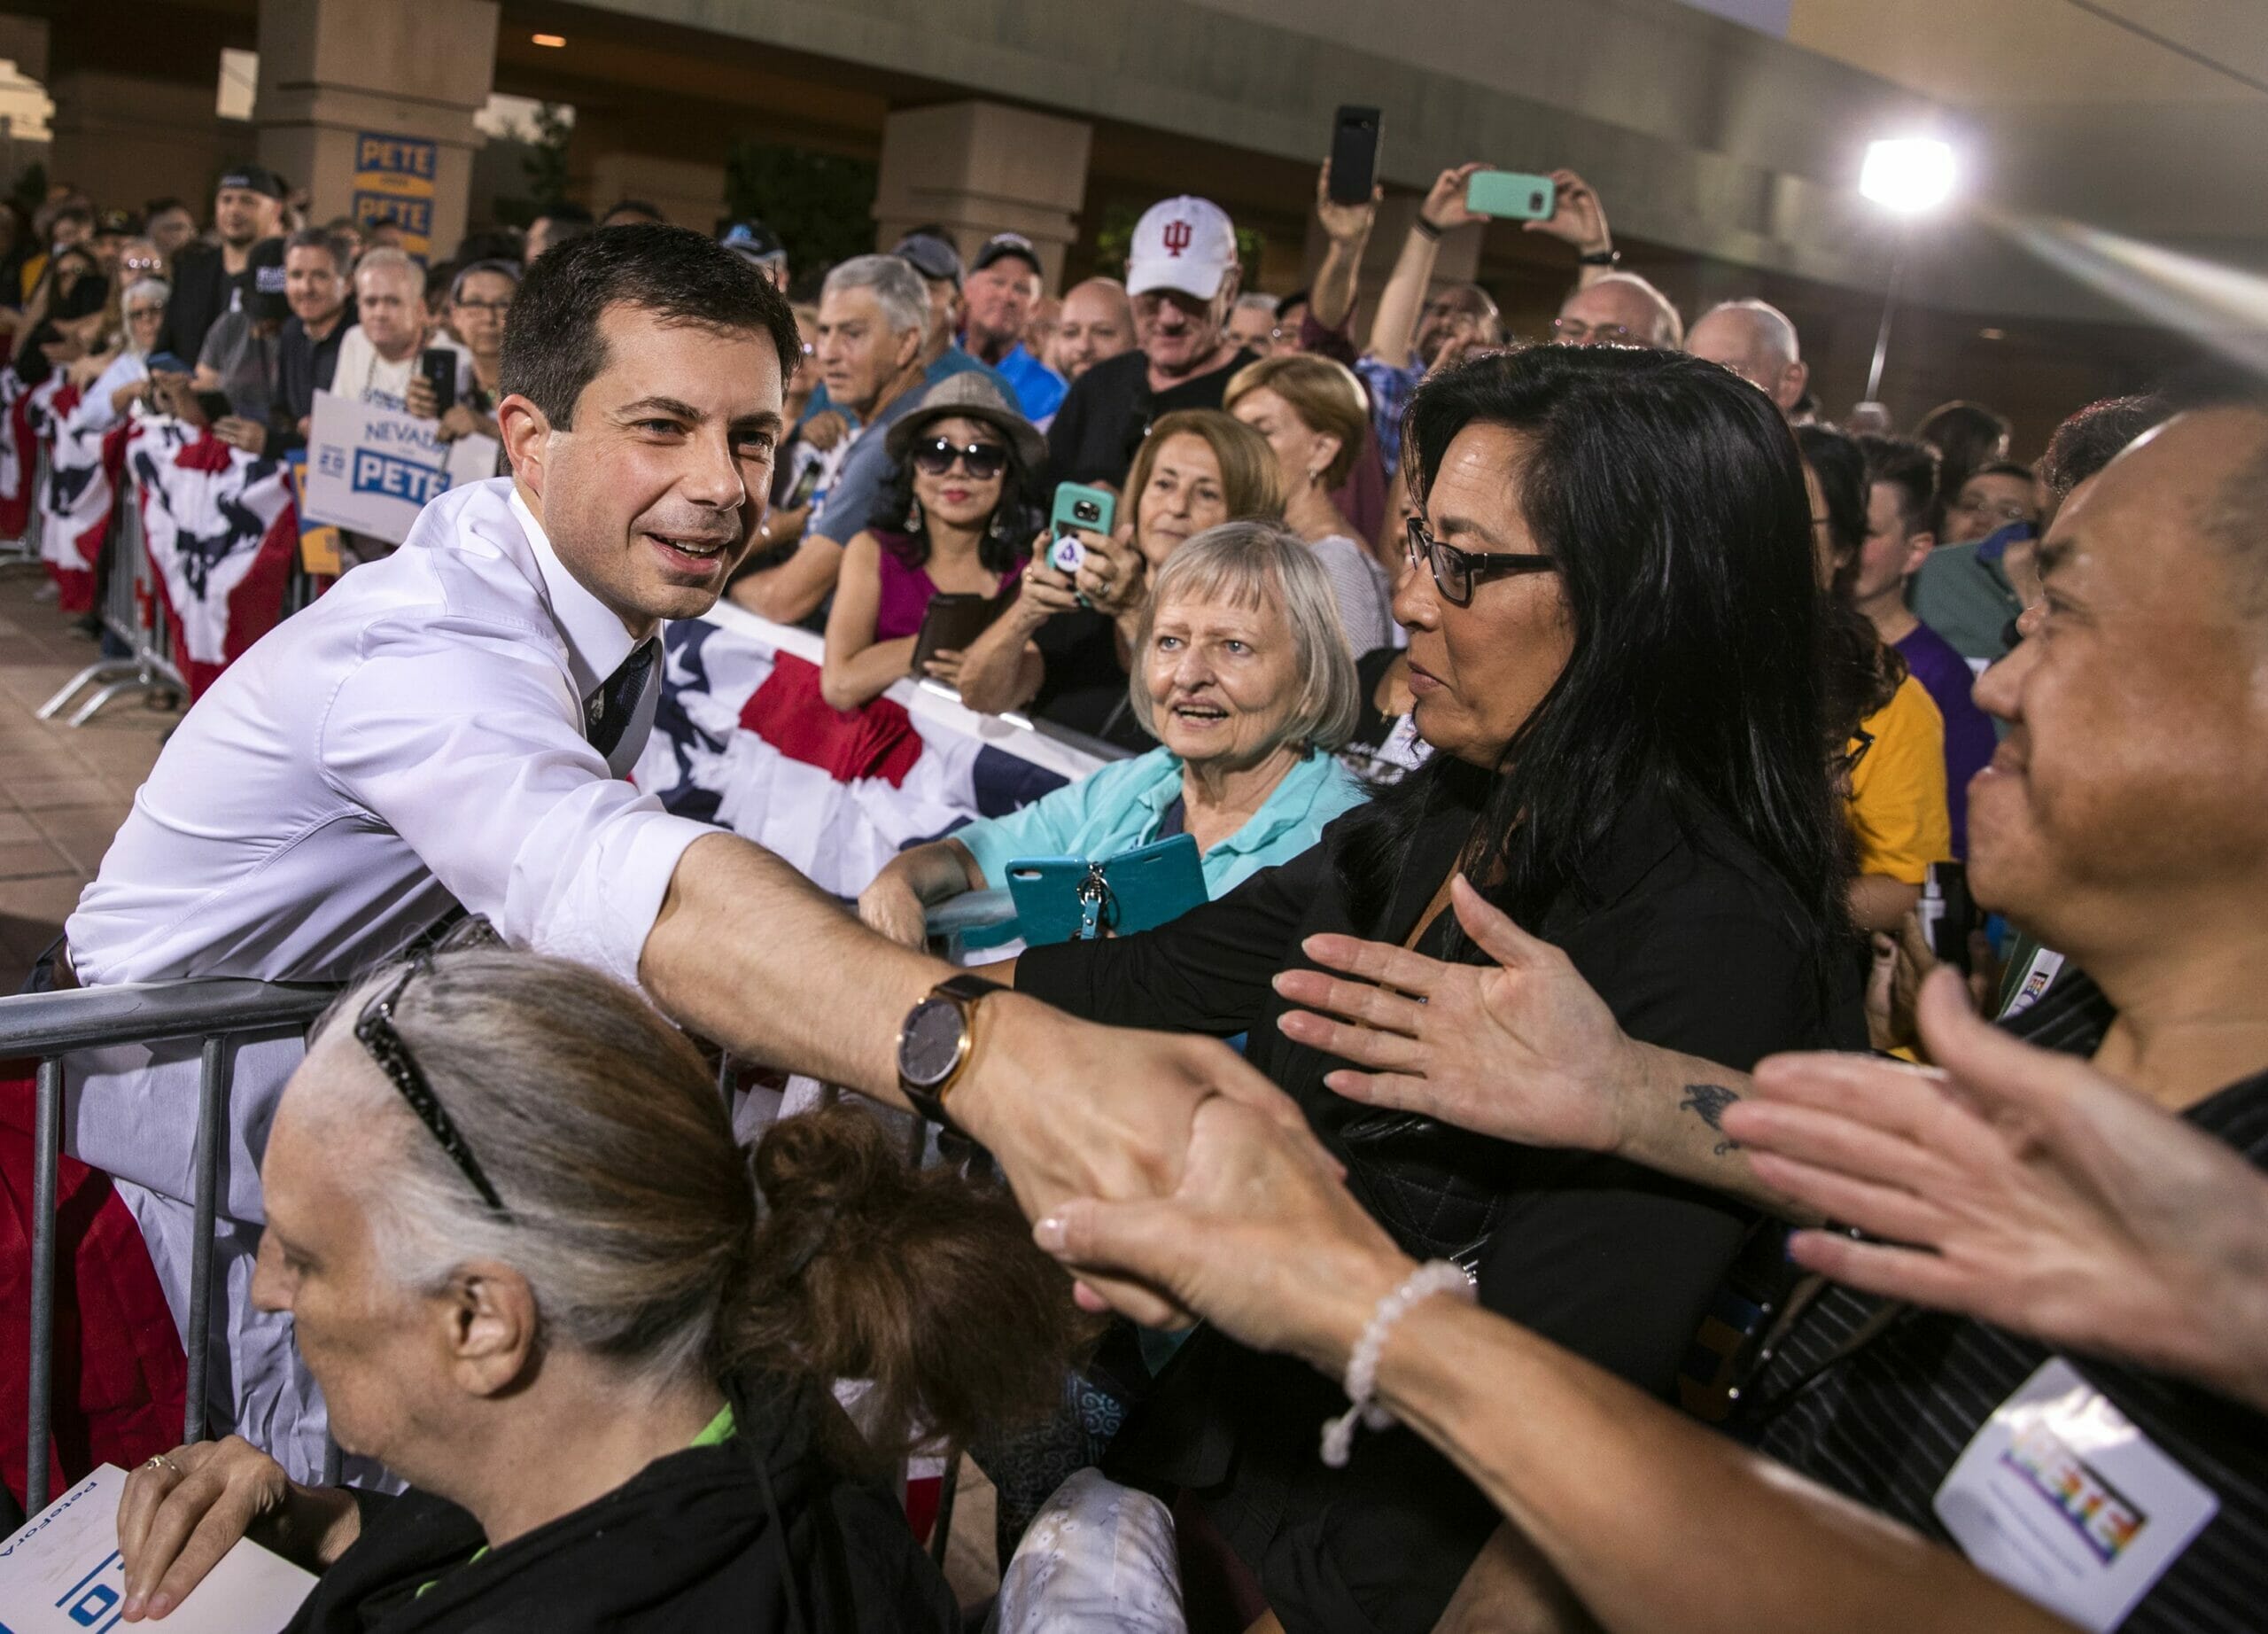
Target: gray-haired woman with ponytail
{"x":537,"y":1279}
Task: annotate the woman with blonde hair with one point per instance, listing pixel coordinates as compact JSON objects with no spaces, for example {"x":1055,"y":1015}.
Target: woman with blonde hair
{"x":1063,"y":652}
{"x":1314,"y":415}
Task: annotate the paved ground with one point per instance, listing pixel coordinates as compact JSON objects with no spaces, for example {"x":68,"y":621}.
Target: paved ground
{"x":63,"y":790}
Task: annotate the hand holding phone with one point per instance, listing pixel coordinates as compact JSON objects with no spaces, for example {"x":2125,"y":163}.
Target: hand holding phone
{"x":1354,"y":138}
{"x":1511,"y":195}
{"x":437,"y":366}
{"x":1078,"y":509}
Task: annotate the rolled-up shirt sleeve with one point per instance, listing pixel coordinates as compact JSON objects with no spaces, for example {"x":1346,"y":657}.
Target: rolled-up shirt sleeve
{"x":467,"y":746}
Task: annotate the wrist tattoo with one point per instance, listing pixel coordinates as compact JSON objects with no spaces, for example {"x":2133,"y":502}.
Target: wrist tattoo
{"x":1708,"y":1102}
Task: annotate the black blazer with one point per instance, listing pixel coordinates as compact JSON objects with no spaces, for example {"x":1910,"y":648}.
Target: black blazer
{"x":1693,"y":944}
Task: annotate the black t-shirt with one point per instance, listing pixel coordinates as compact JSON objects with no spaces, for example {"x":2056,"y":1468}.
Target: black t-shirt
{"x":1879,"y":1401}
{"x":1690,"y":940}
{"x":1108,"y":410}
{"x":1083,"y":687}
{"x":203,"y":286}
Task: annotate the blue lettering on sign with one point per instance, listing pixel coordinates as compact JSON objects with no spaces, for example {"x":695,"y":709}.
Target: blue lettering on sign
{"x":414,"y":216}
{"x":331,"y":461}
{"x":378,"y":154}
{"x":92,"y":1605}
{"x":392,"y":476}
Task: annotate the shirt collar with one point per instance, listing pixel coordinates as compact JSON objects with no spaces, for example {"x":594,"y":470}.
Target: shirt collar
{"x":1287,"y":803}
{"x":597,"y":642}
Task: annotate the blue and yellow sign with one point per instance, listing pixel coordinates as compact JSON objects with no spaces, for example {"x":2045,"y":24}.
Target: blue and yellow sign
{"x":394,"y":182}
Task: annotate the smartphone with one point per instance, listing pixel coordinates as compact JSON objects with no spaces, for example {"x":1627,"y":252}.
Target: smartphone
{"x":1511,"y":195}
{"x":166,"y":363}
{"x":1948,"y":913}
{"x":806,"y":484}
{"x":213,"y":406}
{"x":439,"y":366}
{"x":1078,"y":508}
{"x":952,"y":620}
{"x":1135,"y":891}
{"x":1354,"y":155}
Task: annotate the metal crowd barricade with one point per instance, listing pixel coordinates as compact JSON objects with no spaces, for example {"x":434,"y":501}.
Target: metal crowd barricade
{"x":132,"y":612}
{"x":48,"y":1026}
{"x":23,"y":551}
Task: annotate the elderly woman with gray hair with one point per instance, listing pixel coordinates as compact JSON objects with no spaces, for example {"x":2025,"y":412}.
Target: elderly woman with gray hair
{"x":536,"y":1278}
{"x":1242,"y":673}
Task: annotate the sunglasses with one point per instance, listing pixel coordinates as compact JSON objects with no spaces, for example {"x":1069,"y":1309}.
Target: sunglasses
{"x":376,"y":1029}
{"x":1456,"y":572}
{"x":981,"y":460}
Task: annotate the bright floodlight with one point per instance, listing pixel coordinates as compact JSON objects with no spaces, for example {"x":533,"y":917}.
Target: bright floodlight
{"x":1908,"y":175}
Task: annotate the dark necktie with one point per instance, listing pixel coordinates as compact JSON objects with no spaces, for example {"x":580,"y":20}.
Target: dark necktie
{"x":607,"y":712}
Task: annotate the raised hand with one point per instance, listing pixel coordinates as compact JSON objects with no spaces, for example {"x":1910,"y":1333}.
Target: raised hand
{"x":1259,"y":1237}
{"x":2023,"y":1188}
{"x":1576,"y":216}
{"x":1344,"y":223}
{"x":1523,"y":1050}
{"x":1444,"y":206}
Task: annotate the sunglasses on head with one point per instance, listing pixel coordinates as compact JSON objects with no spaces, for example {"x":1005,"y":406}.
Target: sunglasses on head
{"x":938,"y":455}
{"x":375,"y":1030}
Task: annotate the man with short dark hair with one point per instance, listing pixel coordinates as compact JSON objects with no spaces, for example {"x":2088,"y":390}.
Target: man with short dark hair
{"x":1181,"y":275}
{"x":999,"y":296}
{"x":246,"y":208}
{"x":562,"y":223}
{"x":1902,"y":479}
{"x":317,"y":283}
{"x":451,"y":734}
{"x":170,"y":225}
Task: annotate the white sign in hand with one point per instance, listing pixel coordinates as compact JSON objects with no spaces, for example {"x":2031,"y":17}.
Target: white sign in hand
{"x":373,"y":468}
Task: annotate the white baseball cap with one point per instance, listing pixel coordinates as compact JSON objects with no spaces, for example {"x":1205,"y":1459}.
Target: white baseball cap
{"x":1182,"y":243}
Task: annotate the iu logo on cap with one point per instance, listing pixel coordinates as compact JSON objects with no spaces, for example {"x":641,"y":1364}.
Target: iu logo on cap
{"x":1178,"y":236}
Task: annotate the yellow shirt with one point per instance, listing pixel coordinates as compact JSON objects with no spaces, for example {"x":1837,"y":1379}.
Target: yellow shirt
{"x":1898,"y":789}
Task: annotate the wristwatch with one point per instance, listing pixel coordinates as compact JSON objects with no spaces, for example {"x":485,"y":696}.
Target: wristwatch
{"x":1600,"y":258}
{"x":935,"y":1043}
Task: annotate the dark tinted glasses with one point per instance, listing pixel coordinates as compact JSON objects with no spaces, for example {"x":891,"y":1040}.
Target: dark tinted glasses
{"x":981,"y":460}
{"x":376,"y":1029}
{"x":1456,"y":572}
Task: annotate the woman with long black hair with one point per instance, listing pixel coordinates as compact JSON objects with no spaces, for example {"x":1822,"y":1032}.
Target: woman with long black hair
{"x":1614,"y":654}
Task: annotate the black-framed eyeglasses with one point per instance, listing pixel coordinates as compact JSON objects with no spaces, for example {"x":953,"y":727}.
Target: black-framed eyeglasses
{"x":1456,"y":571}
{"x":1847,"y":762}
{"x":376,"y":1029}
{"x":981,"y":460}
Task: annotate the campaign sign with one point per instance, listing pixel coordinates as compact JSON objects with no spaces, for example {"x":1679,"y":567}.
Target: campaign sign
{"x":373,"y":468}
{"x":62,"y":1574}
{"x":394,"y":182}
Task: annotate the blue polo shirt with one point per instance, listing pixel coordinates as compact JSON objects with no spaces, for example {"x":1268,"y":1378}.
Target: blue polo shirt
{"x":1037,"y":387}
{"x":1123,"y":805}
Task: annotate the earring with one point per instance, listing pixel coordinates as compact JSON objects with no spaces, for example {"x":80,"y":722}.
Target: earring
{"x":913,"y":517}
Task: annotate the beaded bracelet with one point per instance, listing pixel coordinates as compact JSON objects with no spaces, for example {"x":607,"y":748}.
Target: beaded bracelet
{"x":1439,"y":1276}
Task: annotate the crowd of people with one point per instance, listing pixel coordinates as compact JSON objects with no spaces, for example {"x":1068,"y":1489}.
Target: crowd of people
{"x":1571,"y":1168}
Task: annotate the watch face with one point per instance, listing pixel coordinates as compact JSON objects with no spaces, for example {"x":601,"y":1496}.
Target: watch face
{"x":931,"y":1048}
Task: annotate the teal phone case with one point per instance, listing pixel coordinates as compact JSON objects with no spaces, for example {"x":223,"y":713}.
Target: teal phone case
{"x":1071,"y":898}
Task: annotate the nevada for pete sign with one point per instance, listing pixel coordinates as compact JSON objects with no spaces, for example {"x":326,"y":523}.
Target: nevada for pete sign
{"x":373,"y":469}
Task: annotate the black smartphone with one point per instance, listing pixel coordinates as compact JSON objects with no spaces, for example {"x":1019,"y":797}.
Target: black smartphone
{"x":1354,"y":155}
{"x":166,"y":363}
{"x":439,"y":366}
{"x":953,"y":619}
{"x":213,"y":406}
{"x":1948,"y":913}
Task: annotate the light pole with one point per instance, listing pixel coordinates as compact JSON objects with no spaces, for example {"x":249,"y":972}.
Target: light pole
{"x":1905,"y":176}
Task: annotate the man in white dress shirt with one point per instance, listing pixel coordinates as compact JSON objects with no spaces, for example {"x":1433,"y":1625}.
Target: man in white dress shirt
{"x":448,"y":729}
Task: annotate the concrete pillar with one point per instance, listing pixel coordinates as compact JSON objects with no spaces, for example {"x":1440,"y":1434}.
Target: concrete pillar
{"x":126,"y":137}
{"x":1456,"y":260}
{"x":369,"y":104}
{"x":977,"y":168}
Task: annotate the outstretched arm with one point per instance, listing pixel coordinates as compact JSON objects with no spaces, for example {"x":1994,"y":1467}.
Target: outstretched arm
{"x":2027,"y":1189}
{"x":1265,"y":1241}
{"x":1403,"y":299}
{"x":1346,"y":233}
{"x":1523,"y":1050}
